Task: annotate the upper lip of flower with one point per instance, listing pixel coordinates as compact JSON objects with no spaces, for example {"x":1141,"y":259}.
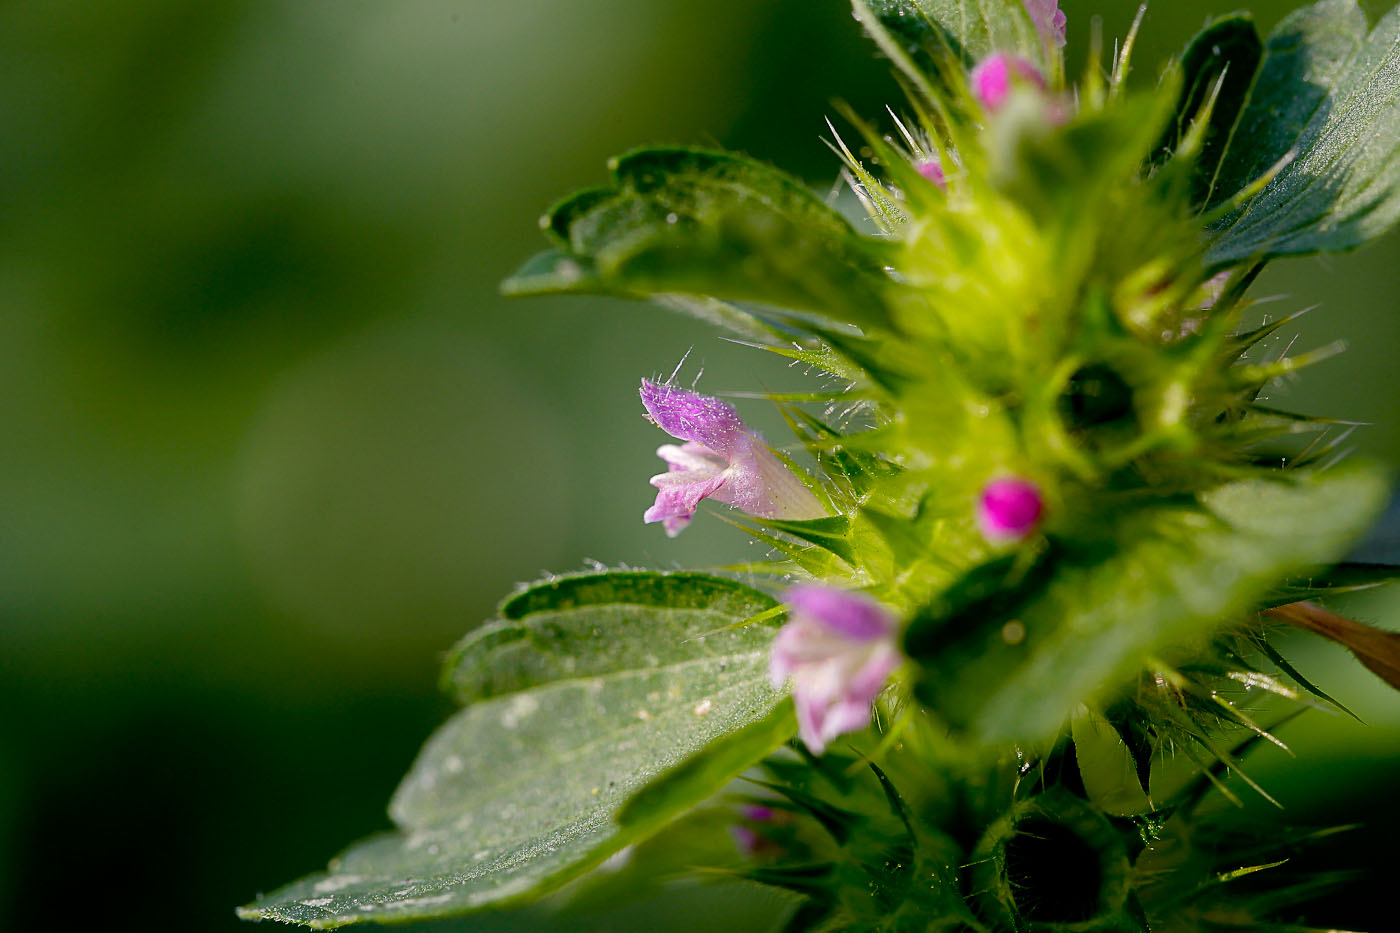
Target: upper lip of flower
{"x":691,"y":416}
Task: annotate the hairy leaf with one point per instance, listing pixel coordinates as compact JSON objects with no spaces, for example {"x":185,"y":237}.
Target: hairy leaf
{"x":1328,"y":97}
{"x":590,"y":688}
{"x":718,"y":224}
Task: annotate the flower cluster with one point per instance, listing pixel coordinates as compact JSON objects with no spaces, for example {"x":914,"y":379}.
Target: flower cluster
{"x":839,"y":648}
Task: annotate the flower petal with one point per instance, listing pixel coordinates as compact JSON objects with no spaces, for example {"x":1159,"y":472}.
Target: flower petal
{"x":848,"y":614}
{"x":838,"y":650}
{"x":678,"y":496}
{"x":994,"y":77}
{"x":762,"y":485}
{"x":811,"y":722}
{"x":675,"y":524}
{"x":689,"y":457}
{"x":932,"y":170}
{"x":1050,"y":21}
{"x":691,"y":416}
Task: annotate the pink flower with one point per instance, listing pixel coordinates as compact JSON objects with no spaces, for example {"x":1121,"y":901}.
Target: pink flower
{"x":1009,"y":509}
{"x":838,"y":649}
{"x":1049,"y":20}
{"x":721,"y":459}
{"x":932,"y":170}
{"x":995,"y":76}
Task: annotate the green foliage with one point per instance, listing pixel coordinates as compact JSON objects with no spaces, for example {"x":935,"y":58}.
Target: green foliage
{"x":980,"y":27}
{"x":1043,"y":308}
{"x":1326,"y":100}
{"x":1160,"y":577}
{"x":708,"y":223}
{"x":518,"y":792}
{"x":1218,"y":71}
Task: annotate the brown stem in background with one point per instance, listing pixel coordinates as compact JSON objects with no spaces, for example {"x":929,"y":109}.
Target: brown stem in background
{"x":1378,"y":650}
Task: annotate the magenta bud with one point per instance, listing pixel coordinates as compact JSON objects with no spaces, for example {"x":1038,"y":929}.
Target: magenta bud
{"x":1009,"y":509}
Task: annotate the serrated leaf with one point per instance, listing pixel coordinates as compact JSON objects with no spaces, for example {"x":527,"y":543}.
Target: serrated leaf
{"x":1170,"y":576}
{"x":1328,"y":93}
{"x":716,"y":224}
{"x":586,"y":625}
{"x":517,"y":793}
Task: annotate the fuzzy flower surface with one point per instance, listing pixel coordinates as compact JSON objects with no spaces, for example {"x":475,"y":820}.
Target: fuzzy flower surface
{"x":1049,"y":19}
{"x":720,"y":459}
{"x":837,"y":650}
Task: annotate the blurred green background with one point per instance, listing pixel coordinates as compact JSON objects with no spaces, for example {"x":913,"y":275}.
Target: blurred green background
{"x":271,"y":440}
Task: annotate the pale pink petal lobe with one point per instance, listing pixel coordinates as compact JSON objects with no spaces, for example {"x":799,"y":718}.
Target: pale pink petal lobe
{"x":837,"y":650}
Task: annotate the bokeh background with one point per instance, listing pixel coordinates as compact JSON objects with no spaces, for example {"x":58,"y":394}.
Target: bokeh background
{"x":270,"y":441}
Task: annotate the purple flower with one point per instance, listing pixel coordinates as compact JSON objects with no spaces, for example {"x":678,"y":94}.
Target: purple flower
{"x":1009,"y":509}
{"x":760,"y":830}
{"x":1049,"y":20}
{"x":721,"y":459}
{"x":995,"y":76}
{"x":837,"y":649}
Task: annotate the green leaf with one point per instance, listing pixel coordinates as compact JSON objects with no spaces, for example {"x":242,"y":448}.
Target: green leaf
{"x":1347,"y":577}
{"x":919,"y":47}
{"x":1107,"y":766}
{"x":700,"y":840}
{"x":555,"y":272}
{"x":518,"y":792}
{"x":716,"y":224}
{"x":1166,"y":576}
{"x":918,"y":34}
{"x":588,"y":625}
{"x":1218,"y":70}
{"x":1328,"y":94}
{"x":708,"y":770}
{"x":832,"y":533}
